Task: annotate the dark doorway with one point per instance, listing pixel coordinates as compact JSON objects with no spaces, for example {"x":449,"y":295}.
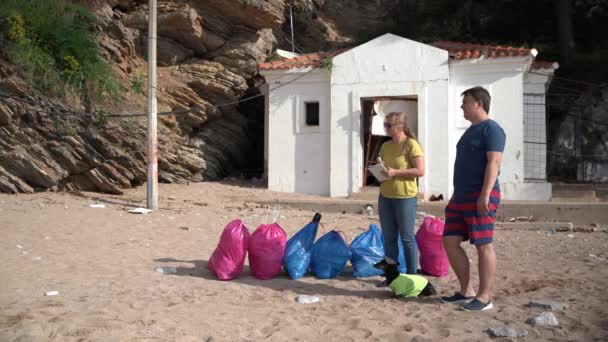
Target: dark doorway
{"x":253,"y":110}
{"x":371,"y":143}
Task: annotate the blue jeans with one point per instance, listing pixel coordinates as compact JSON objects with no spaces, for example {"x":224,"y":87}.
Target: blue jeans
{"x":398,"y":217}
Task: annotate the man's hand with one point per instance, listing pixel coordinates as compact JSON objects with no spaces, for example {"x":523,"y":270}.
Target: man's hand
{"x":483,"y":205}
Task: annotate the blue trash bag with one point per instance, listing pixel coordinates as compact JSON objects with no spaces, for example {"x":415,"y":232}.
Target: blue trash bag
{"x":367,"y":249}
{"x":329,"y":255}
{"x":298,"y":251}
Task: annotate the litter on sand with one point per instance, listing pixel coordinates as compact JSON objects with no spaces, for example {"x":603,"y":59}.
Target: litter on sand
{"x":140,"y":211}
{"x":52,"y":293}
{"x":304,"y":299}
{"x":97,"y":205}
{"x":166,"y":270}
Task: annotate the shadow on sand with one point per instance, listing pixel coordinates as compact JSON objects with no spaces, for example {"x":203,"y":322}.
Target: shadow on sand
{"x":282,"y":282}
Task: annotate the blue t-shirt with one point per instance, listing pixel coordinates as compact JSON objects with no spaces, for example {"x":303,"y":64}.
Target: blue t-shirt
{"x":471,"y":157}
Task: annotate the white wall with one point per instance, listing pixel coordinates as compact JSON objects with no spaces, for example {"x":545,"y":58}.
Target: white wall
{"x":388,"y":66}
{"x":298,"y":155}
{"x":503,"y":78}
{"x":535,"y":132}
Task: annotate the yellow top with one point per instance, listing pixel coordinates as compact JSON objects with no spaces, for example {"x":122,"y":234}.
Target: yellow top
{"x":393,"y":157}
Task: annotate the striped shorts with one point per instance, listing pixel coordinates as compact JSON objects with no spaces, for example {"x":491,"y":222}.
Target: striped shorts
{"x":463,"y":219}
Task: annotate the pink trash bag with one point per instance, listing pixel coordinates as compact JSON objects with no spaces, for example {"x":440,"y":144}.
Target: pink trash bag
{"x":433,"y":258}
{"x":228,"y":258}
{"x":266,"y":250}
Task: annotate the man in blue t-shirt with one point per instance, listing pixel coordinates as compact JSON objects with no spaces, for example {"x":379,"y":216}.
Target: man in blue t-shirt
{"x":470,"y":212}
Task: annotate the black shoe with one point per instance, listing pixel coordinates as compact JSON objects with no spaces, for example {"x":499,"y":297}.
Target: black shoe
{"x":382,"y":284}
{"x":456,"y":298}
{"x":477,"y":305}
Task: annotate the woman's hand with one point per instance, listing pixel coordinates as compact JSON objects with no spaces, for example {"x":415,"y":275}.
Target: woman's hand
{"x":391,"y":172}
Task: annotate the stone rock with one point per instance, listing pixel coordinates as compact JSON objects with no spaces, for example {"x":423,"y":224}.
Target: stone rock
{"x":105,"y":182}
{"x":254,"y":14}
{"x":245,"y":51}
{"x":506,"y":331}
{"x":319,"y":3}
{"x":597,"y":258}
{"x":585,"y":229}
{"x":170,"y":52}
{"x":33,"y":165}
{"x":41,"y":150}
{"x":14,"y":86}
{"x":5,"y":115}
{"x":568,"y":227}
{"x":118,"y":44}
{"x":182,"y":24}
{"x":547,"y":304}
{"x":546,"y":319}
{"x":12,"y":184}
{"x":211,"y":80}
{"x":213,"y":41}
{"x":66,"y":156}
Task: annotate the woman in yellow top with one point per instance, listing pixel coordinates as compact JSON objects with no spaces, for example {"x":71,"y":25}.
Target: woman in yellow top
{"x":404,"y":162}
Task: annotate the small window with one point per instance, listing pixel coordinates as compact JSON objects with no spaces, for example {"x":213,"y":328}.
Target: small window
{"x":312,"y":113}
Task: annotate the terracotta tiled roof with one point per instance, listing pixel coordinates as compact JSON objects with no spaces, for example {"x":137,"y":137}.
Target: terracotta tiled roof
{"x":544,"y":65}
{"x":468,"y":51}
{"x":455,"y":50}
{"x":314,"y":60}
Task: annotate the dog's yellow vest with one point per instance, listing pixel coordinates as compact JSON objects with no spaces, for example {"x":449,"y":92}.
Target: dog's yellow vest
{"x":408,"y":285}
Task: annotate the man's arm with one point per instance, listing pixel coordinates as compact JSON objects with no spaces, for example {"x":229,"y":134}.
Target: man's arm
{"x":489,"y":179}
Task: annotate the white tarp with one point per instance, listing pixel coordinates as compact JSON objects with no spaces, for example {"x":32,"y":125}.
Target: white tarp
{"x":383,"y":107}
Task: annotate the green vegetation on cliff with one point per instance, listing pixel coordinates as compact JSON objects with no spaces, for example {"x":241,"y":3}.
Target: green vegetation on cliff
{"x":53,"y":44}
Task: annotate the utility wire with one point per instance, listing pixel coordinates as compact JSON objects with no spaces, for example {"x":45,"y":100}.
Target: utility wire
{"x":173,"y":112}
{"x":565,"y":78}
{"x":297,"y":48}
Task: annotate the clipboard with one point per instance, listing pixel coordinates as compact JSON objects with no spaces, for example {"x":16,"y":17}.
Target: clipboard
{"x":378,"y":170}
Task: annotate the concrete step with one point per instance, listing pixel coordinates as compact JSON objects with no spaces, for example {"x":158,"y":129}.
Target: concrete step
{"x":588,"y":194}
{"x":576,"y":212}
{"x":371,"y":193}
{"x":573,"y":186}
{"x":573,"y":191}
{"x":602,"y":195}
{"x":575,"y":199}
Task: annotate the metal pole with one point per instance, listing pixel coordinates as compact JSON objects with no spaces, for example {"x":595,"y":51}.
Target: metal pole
{"x":293,"y":48}
{"x":152,"y":185}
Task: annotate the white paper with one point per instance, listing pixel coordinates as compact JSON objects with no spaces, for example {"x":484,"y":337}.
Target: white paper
{"x":140,"y":211}
{"x":97,"y":205}
{"x":378,"y":171}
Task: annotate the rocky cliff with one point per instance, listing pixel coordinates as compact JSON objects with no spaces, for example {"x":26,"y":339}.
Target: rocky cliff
{"x":208,"y":52}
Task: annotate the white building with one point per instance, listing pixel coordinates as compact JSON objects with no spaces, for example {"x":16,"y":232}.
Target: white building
{"x":317,"y":109}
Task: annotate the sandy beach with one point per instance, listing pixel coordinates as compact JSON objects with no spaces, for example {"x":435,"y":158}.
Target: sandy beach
{"x":102,"y":263}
